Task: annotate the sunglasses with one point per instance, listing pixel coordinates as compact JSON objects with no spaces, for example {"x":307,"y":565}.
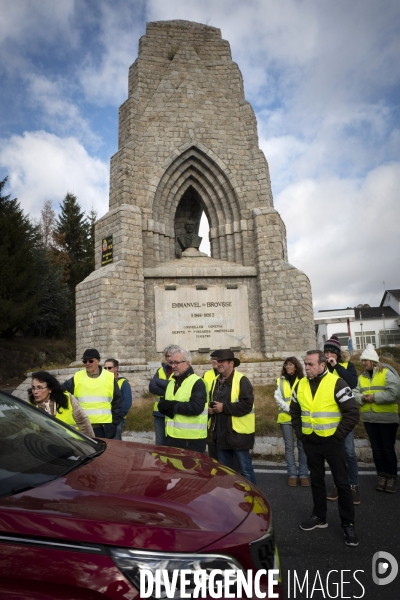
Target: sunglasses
{"x":109,"y":368}
{"x":88,"y":360}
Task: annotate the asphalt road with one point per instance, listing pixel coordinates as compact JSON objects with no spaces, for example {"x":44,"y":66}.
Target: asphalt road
{"x":323,"y":550}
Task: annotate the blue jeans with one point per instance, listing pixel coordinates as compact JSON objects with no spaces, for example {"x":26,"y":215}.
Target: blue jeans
{"x":243,"y":458}
{"x":288,"y":436}
{"x":159,"y":428}
{"x":351,"y":458}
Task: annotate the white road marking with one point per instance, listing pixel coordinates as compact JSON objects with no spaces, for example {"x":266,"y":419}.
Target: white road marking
{"x":326,"y":472}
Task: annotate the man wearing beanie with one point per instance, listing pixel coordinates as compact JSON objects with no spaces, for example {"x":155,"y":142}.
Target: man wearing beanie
{"x":98,"y":394}
{"x":347,"y":371}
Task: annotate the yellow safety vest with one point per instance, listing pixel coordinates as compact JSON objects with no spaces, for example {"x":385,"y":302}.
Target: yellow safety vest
{"x":65,"y":414}
{"x":247,"y":423}
{"x":342,"y":364}
{"x":161,"y":374}
{"x":372,"y":386}
{"x":183,"y":426}
{"x":209,"y":377}
{"x":320,"y":414}
{"x":95,"y":395}
{"x":120,"y":381}
{"x":286,"y":391}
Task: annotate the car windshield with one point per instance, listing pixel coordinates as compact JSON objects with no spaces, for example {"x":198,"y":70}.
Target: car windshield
{"x":35,"y":448}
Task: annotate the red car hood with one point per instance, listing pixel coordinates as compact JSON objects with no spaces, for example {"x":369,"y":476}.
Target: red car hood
{"x":138,"y":496}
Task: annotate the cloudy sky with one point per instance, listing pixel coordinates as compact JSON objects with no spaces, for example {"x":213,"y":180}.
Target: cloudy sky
{"x":322,"y":77}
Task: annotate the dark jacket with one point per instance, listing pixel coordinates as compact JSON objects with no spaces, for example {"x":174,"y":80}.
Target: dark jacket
{"x":220,"y":426}
{"x":193,"y":407}
{"x":157,"y":386}
{"x":349,"y":374}
{"x":126,"y":393}
{"x":116,"y":404}
{"x":345,"y":401}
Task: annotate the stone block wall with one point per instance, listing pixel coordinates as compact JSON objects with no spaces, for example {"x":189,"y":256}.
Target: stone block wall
{"x":285,"y":292}
{"x":110,"y":301}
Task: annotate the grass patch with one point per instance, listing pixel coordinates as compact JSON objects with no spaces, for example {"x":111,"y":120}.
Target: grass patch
{"x":266,"y":411}
{"x":140,"y":416}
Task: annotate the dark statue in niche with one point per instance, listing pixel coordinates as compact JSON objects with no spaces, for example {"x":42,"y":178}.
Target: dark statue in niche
{"x":190,"y":239}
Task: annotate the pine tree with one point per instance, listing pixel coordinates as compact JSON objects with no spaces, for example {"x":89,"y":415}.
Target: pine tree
{"x":18,"y":276}
{"x":74,"y":240}
{"x":54,"y":303}
{"x":72,"y":233}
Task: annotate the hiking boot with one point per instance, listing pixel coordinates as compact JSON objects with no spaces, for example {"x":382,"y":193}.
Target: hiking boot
{"x":355,"y":494}
{"x":391,"y":483}
{"x":313,"y":522}
{"x":304,"y":482}
{"x":350,"y":537}
{"x":333,"y":494}
{"x":381,"y":484}
{"x":292,"y":481}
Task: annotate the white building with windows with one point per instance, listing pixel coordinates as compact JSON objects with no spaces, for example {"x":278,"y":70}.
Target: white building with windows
{"x":357,"y":327}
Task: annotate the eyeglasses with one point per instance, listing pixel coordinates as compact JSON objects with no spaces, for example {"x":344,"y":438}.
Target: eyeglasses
{"x":173,"y":363}
{"x":88,"y":360}
{"x":109,"y":368}
{"x":39,"y":388}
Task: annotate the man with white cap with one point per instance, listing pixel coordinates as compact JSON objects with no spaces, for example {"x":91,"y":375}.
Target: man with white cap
{"x":378,"y":393}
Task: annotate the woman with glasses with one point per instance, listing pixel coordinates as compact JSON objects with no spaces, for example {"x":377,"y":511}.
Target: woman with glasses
{"x":292,"y":372}
{"x":46,"y":394}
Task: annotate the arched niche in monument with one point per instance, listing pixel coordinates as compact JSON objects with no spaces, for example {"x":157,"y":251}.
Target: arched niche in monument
{"x":195,"y":179}
{"x":190,"y":208}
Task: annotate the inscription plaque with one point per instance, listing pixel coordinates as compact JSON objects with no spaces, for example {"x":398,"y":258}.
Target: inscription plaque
{"x":216,"y":317}
{"x":107,"y":250}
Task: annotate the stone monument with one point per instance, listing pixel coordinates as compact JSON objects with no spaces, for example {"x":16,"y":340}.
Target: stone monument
{"x":188,"y":144}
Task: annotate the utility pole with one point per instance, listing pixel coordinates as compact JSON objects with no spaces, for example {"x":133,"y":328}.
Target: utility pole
{"x":384,"y":328}
{"x":362,"y":333}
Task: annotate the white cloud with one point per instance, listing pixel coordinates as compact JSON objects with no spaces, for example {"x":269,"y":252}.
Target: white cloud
{"x":104,"y":79}
{"x":42,"y":166}
{"x":344,"y":235}
{"x":25,"y":26}
{"x":61,"y":114}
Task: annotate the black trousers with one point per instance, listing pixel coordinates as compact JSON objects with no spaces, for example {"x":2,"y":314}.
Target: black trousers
{"x":334,"y":454}
{"x":196,"y":445}
{"x":383,"y":439}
